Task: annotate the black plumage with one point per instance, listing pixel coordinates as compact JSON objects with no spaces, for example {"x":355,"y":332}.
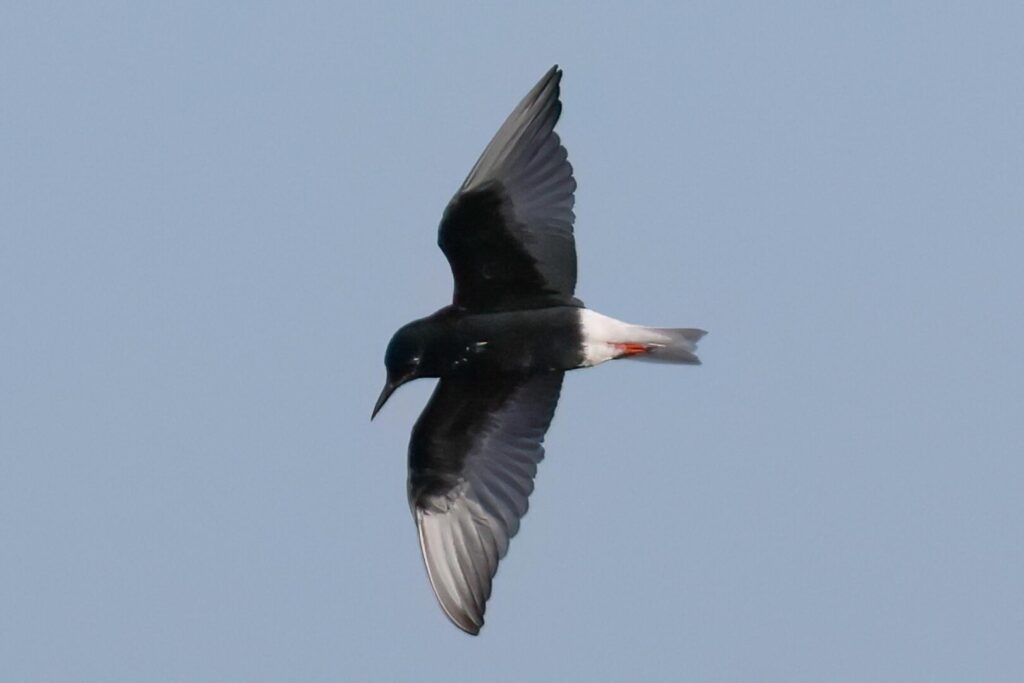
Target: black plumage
{"x":500,"y":350}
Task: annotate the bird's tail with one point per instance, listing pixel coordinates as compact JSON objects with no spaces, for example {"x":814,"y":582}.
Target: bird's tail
{"x":666,"y":345}
{"x":606,"y":338}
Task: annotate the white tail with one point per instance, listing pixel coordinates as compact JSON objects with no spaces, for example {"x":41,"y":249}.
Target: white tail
{"x":606,"y":338}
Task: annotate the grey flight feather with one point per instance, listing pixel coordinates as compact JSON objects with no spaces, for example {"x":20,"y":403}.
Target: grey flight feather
{"x":472,"y":460}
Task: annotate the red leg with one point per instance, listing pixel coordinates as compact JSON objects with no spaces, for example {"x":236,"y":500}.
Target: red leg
{"x":631,"y":348}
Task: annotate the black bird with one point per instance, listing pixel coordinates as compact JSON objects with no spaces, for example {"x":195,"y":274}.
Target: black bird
{"x":500,"y":350}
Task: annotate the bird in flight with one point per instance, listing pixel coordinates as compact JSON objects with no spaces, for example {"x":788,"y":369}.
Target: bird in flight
{"x":501,"y":348}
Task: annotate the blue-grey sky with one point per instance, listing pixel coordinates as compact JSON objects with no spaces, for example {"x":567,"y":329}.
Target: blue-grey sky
{"x":213,"y":216}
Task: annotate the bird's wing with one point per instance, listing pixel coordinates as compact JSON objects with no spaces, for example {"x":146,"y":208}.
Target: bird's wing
{"x":472,"y":459}
{"x":507,"y":232}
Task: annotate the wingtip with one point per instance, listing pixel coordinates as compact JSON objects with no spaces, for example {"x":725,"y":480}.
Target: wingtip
{"x":552,"y":75}
{"x":469,"y":629}
{"x":466,"y":619}
{"x":463,"y":619}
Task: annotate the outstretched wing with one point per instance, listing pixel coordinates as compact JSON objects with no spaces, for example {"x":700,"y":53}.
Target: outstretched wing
{"x":507,"y":233}
{"x":472,"y":459}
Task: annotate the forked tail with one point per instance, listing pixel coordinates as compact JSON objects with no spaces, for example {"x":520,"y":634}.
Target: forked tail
{"x":668,"y":345}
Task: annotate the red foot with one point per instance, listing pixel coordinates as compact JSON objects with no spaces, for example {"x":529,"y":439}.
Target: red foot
{"x":631,"y":348}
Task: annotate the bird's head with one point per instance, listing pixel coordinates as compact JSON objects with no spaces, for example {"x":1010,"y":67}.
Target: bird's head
{"x":404,"y":360}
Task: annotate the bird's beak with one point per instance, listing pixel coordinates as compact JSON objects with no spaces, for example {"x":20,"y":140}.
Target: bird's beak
{"x":389,"y":389}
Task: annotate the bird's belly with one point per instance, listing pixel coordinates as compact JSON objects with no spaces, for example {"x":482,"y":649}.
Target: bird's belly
{"x":521,"y":341}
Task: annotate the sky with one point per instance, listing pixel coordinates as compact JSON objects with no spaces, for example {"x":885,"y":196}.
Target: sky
{"x":214,"y":215}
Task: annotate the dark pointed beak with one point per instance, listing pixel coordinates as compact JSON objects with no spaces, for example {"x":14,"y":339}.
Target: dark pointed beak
{"x":389,"y":389}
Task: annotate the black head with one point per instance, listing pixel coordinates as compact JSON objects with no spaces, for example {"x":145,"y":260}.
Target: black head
{"x":404,"y":360}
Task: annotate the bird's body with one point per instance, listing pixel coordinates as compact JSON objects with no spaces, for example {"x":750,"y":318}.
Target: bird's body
{"x":501,"y":350}
{"x":549,"y":339}
{"x":480,"y":344}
